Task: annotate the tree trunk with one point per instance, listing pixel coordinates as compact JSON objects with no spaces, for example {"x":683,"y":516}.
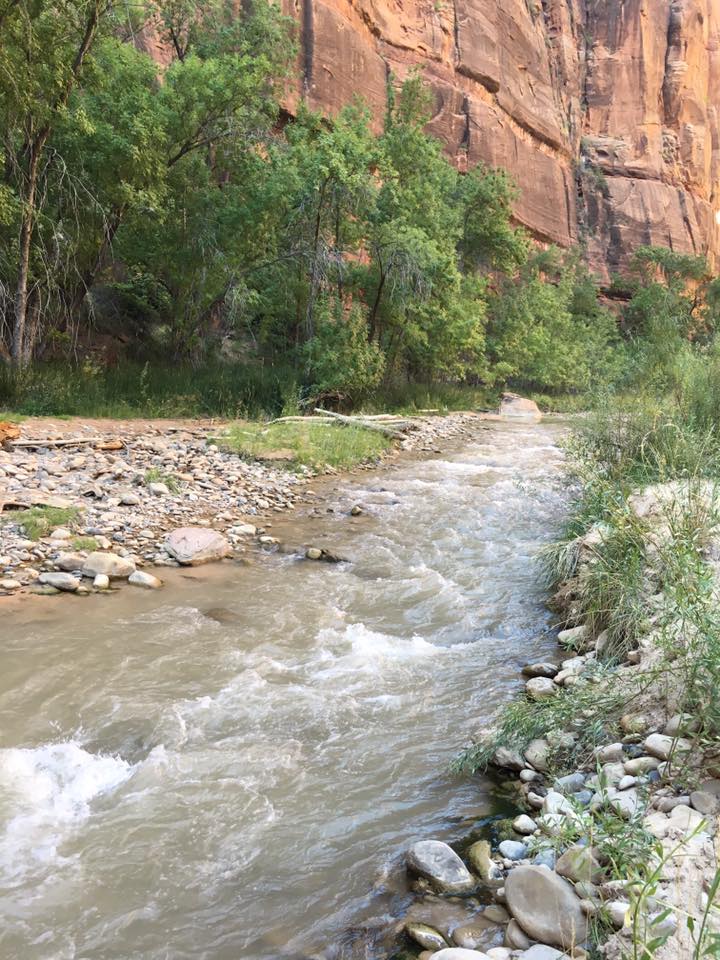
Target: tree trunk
{"x":18,"y":352}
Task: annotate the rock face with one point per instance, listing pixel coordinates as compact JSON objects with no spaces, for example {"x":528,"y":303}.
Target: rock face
{"x":605,"y":114}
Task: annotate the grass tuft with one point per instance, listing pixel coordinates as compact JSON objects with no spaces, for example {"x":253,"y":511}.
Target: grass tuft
{"x":38,"y":522}
{"x":311,"y":445}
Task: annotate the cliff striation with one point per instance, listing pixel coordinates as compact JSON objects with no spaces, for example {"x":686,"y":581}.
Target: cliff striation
{"x":605,"y":112}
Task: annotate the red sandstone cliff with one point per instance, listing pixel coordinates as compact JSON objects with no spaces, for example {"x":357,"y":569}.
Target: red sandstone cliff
{"x":605,"y":112}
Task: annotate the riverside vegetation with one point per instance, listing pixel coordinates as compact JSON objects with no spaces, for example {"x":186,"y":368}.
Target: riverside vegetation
{"x":614,"y":753}
{"x":172,"y":243}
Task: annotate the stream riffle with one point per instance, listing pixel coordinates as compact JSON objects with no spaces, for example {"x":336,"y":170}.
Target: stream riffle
{"x":231,"y":767}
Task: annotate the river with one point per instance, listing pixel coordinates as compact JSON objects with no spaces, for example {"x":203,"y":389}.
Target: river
{"x":231,"y":767}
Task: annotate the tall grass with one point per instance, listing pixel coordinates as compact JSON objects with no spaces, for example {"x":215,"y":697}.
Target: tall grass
{"x":157,"y":390}
{"x":228,"y":390}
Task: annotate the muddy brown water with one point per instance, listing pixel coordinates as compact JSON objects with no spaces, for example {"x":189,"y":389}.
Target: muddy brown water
{"x":232,"y":767}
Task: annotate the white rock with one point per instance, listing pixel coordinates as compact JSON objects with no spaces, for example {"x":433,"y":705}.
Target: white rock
{"x":439,"y":863}
{"x":610,"y":753}
{"x":459,"y":953}
{"x":244,"y":530}
{"x":101,"y":581}
{"x":687,"y":819}
{"x":662,"y":747}
{"x":61,"y":581}
{"x":540,"y":688}
{"x":191,"y":546}
{"x":111,"y":564}
{"x":524,"y":824}
{"x":60,"y":534}
{"x":541,"y":951}
{"x":537,"y":754}
{"x":140,"y":578}
{"x":576,"y":638}
{"x":618,"y":912}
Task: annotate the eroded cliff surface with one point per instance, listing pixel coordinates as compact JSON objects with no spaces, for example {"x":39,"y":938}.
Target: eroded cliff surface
{"x":605,"y":112}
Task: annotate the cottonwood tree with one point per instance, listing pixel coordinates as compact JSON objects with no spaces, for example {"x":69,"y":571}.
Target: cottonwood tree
{"x":43,"y":53}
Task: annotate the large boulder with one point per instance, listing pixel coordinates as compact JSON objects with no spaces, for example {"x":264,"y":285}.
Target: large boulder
{"x":545,"y":906}
{"x":109,"y":564}
{"x":438,"y":863}
{"x":191,"y":546}
{"x":516,"y":407}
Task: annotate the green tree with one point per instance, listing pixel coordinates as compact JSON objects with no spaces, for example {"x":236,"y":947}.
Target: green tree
{"x":45,"y":49}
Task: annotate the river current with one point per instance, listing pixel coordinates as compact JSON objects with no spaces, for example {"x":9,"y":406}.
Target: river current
{"x":232,"y":767}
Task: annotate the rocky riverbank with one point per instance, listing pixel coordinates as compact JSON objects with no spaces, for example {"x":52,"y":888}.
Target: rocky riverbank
{"x":129,"y":496}
{"x":614,"y":849}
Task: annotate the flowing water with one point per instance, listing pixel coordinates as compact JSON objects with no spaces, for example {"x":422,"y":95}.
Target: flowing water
{"x":231,"y":767}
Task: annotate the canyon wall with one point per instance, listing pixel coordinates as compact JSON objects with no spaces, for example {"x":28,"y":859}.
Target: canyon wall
{"x":605,"y":112}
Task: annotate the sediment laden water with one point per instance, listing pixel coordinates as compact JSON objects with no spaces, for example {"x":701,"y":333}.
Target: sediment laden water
{"x":225,"y":768}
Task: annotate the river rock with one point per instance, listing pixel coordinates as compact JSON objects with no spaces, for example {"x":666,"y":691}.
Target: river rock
{"x":687,"y":819}
{"x":515,"y":407}
{"x":704,"y":802}
{"x":579,"y":864}
{"x":459,"y":953}
{"x":537,"y":753}
{"x":540,"y":688}
{"x":572,"y":783}
{"x":192,"y":546}
{"x":541,"y":951}
{"x":482,"y":862}
{"x":545,"y":906}
{"x":634,"y":723}
{"x":101,"y":581}
{"x":662,"y":747}
{"x":639,"y":765}
{"x":112,"y":565}
{"x":60,"y":581}
{"x":427,"y":937}
{"x":512,"y":849}
{"x":141,"y":578}
{"x":611,"y":753}
{"x":618,"y":911}
{"x":540,"y":670}
{"x":438,"y":863}
{"x":69,"y":562}
{"x":576,"y":638}
{"x":524,"y":824}
{"x":508,"y":759}
{"x":515,"y":936}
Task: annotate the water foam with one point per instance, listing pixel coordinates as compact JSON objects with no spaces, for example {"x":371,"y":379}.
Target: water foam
{"x":44,"y":792}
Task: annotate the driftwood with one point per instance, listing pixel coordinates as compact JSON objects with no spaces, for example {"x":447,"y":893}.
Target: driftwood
{"x":99,"y":443}
{"x":365,"y":424}
{"x":302,"y":420}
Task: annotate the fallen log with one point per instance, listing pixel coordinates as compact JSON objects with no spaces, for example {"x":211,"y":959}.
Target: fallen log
{"x":100,"y":443}
{"x":365,"y":424}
